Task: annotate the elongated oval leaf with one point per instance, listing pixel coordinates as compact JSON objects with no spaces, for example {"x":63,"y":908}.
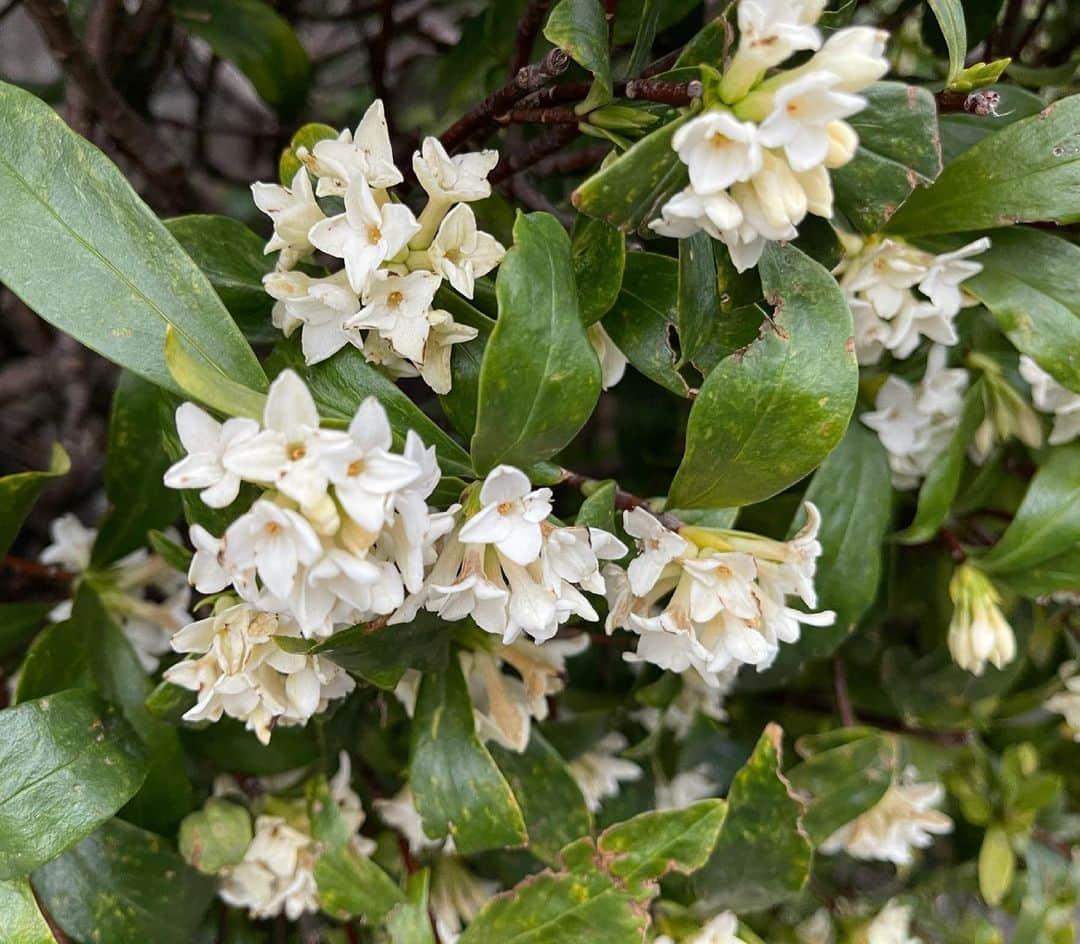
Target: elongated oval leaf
{"x":950,"y":17}
{"x":599,"y":254}
{"x":18,"y":493}
{"x":1025,"y":172}
{"x":766,"y":416}
{"x":83,"y":251}
{"x":540,"y":377}
{"x":22,"y":921}
{"x":699,"y":294}
{"x":580,"y":28}
{"x":67,"y":763}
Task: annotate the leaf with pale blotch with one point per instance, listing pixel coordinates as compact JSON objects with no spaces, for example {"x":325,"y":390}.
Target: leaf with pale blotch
{"x":215,"y":837}
{"x":580,"y":28}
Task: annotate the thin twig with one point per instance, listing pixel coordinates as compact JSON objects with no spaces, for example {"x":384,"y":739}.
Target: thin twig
{"x":527,"y":30}
{"x":541,"y":116}
{"x":843,"y":697}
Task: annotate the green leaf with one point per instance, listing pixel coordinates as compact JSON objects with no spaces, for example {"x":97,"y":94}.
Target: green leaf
{"x":134,"y":465}
{"x":18,"y":493}
{"x":226,"y":745}
{"x":1047,"y":523}
{"x":978,"y":75}
{"x":766,"y":416}
{"x":216,"y":836}
{"x":997,"y":864}
{"x":231,"y":257}
{"x":23,"y":922}
{"x":598,"y":509}
{"x":644,"y":318}
{"x":551,"y":801}
{"x":459,"y":791}
{"x":942,"y":481}
{"x":540,"y":377}
{"x":1050,"y":576}
{"x":899,"y":150}
{"x":199,"y":382}
{"x":699,"y":294}
{"x":169,"y":703}
{"x":598,"y":252}
{"x":950,"y":17}
{"x":580,"y":28}
{"x":409,"y":922}
{"x":67,"y":763}
{"x":1027,"y":171}
{"x":258,"y":41}
{"x":124,"y":886}
{"x":177,"y":557}
{"x":630,"y":190}
{"x":85,"y":253}
{"x":18,"y":621}
{"x":763,"y":854}
{"x":845,"y":781}
{"x":90,"y":651}
{"x":340,"y":384}
{"x":350,"y":885}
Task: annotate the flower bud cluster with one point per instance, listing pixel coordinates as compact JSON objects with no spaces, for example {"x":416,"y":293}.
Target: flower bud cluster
{"x":978,"y":632}
{"x":711,"y":600}
{"x":759,"y":159}
{"x":383,"y":300}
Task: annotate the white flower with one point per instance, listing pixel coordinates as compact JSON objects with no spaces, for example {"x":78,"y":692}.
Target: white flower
{"x":947,"y":271}
{"x":320,"y":307}
{"x":365,"y":235}
{"x":689,"y":211}
{"x":686,"y":787}
{"x":817,"y":929}
{"x":275,"y":542}
{"x":722,"y":929}
{"x":510,"y":515}
{"x":457,"y":895}
{"x":277,"y":874}
{"x":598,"y":772}
{"x":978,"y":631}
{"x":294,"y":212}
{"x":461,"y":253}
{"x":449,"y":179}
{"x":612,"y":361}
{"x":1051,"y":397}
{"x":1067,"y":702}
{"x":209,"y":571}
{"x":769,"y":32}
{"x":696,"y":696}
{"x":802,"y":110}
{"x":444,"y":333}
{"x":718,"y":150}
{"x":657,"y":547}
{"x":902,"y":820}
{"x":71,"y":545}
{"x":773,"y":202}
{"x":892,"y":925}
{"x":208,"y":442}
{"x":397,"y":307}
{"x":365,"y":155}
{"x":400,"y":812}
{"x":855,"y":55}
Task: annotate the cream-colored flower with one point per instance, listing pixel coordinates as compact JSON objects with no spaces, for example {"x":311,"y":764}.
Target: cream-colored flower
{"x":978,"y":631}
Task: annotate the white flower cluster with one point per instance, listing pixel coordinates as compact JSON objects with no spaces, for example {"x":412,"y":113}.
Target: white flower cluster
{"x":721,"y":929}
{"x":600,"y":770}
{"x":726,"y":595}
{"x":130,"y":589}
{"x":759,"y":162}
{"x":978,"y":631}
{"x":342,"y":531}
{"x":906,"y":818}
{"x":1067,"y":701}
{"x":695,"y":697}
{"x":916,"y":422}
{"x":892,"y":925}
{"x":394,"y":261}
{"x":899,"y":294}
{"x":510,"y":569}
{"x":1051,"y":397}
{"x":277,"y":873}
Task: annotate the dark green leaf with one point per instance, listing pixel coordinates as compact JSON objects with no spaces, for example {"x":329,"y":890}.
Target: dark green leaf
{"x":699,"y":294}
{"x":19,"y":492}
{"x":409,"y":922}
{"x":90,"y":257}
{"x":176,"y":556}
{"x":228,"y":746}
{"x":216,"y":836}
{"x":457,"y":787}
{"x":18,"y":621}
{"x":763,"y":854}
{"x":598,"y":509}
{"x":22,"y":919}
{"x":1027,"y":171}
{"x":169,"y":703}
{"x":899,"y":150}
{"x":67,"y":763}
{"x":540,"y":377}
{"x":1050,"y":576}
{"x":950,"y":17}
{"x":258,"y":41}
{"x":767,"y":416}
{"x":599,"y":256}
{"x":580,"y":28}
{"x":124,"y":886}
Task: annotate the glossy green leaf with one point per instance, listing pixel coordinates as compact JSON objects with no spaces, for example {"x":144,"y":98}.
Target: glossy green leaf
{"x":899,"y":151}
{"x":67,"y":763}
{"x":135,"y":462}
{"x":458,"y":789}
{"x":18,"y":621}
{"x":258,"y":41}
{"x":216,"y":836}
{"x":645,"y":316}
{"x":1049,"y":576}
{"x":85,"y":253}
{"x":942,"y":481}
{"x":22,"y":920}
{"x":350,"y":885}
{"x":699,"y":294}
{"x":201,"y":383}
{"x":228,"y":746}
{"x":175,"y":555}
{"x":1027,"y":171}
{"x":1047,"y":523}
{"x":409,"y":922}
{"x":598,"y":251}
{"x":950,"y":17}
{"x":580,"y":28}
{"x":551,"y":801}
{"x":461,"y":403}
{"x":231,"y":257}
{"x":18,"y":493}
{"x":340,"y":384}
{"x":124,"y":886}
{"x":763,"y":854}
{"x":598,"y":509}
{"x":540,"y":377}
{"x":630,"y":190}
{"x":766,"y":416}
